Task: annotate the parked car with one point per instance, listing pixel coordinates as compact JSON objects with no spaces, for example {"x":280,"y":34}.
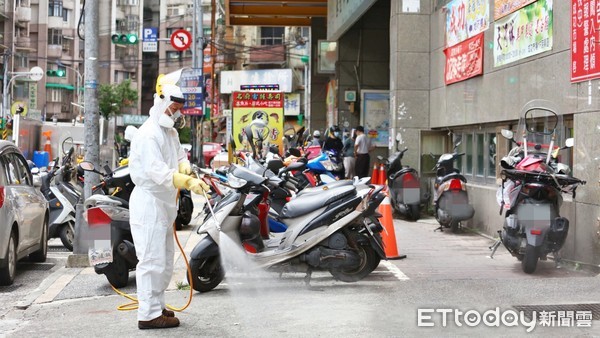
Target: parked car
{"x":23,"y":214}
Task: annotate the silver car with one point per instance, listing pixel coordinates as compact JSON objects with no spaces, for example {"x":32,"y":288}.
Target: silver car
{"x":23,"y":214}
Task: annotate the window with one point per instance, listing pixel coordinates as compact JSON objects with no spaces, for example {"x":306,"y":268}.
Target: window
{"x":121,"y":76}
{"x":55,"y":36}
{"x":54,"y":95}
{"x":469,"y":154}
{"x":480,"y":156}
{"x":175,"y":10}
{"x":133,"y":22}
{"x":55,"y":8}
{"x":23,"y":3}
{"x":172,"y":55}
{"x":16,"y":171}
{"x":65,"y":15}
{"x":491,"y":144}
{"x":22,"y":60}
{"x":271,"y":36}
{"x":128,"y":2}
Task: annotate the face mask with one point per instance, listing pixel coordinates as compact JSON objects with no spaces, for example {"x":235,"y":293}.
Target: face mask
{"x":168,"y":121}
{"x":336,"y":134}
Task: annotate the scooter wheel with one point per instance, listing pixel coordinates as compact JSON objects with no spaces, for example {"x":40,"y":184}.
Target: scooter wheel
{"x":207,"y":273}
{"x":67,"y":236}
{"x":369,"y":261}
{"x":530,"y":259}
{"x":117,"y":272}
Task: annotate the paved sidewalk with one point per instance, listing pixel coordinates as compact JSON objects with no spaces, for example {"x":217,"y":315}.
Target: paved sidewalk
{"x":440,"y":268}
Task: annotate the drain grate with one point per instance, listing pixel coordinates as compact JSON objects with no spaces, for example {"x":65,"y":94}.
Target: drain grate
{"x":563,"y":308}
{"x":36,"y":267}
{"x":58,"y":249}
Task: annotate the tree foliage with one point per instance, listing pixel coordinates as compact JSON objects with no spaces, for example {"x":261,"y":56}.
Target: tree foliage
{"x":112,"y":98}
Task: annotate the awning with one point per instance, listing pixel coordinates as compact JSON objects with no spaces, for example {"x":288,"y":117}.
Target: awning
{"x":60,"y":86}
{"x":273,"y":12}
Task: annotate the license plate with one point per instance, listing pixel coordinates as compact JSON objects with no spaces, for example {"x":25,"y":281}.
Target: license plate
{"x":100,"y":253}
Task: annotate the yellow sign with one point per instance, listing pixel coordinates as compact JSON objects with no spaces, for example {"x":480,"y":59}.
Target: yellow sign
{"x":18,"y":107}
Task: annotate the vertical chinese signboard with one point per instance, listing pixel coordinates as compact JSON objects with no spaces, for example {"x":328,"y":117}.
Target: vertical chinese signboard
{"x":191,"y":83}
{"x":524,"y":33}
{"x":464,"y":60}
{"x":584,"y":41}
{"x":257,"y":116}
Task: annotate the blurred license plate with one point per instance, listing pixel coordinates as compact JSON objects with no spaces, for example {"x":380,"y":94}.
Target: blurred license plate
{"x":100,"y":253}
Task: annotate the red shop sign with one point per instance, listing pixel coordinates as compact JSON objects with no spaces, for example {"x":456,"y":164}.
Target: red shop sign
{"x":464,"y":60}
{"x":585,"y":52}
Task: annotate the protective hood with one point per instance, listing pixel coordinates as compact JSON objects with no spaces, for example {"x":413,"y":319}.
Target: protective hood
{"x":170,"y":94}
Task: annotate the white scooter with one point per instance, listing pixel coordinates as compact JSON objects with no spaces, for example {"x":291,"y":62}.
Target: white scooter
{"x":62,"y":196}
{"x":334,"y":229}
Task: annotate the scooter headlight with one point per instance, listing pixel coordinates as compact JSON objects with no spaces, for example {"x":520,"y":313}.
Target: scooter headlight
{"x":235,"y":182}
{"x":327,"y":165}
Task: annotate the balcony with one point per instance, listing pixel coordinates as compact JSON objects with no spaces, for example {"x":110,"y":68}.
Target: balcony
{"x":55,"y":51}
{"x":55,"y":22}
{"x":270,"y":54}
{"x":23,"y":14}
{"x":23,"y":42}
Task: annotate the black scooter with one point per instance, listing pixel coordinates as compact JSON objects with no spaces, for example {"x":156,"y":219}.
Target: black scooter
{"x":404,"y":186}
{"x":451,"y":200}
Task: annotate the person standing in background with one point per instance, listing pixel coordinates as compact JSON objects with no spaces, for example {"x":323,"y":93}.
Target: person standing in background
{"x":362,"y":147}
{"x":348,"y":152}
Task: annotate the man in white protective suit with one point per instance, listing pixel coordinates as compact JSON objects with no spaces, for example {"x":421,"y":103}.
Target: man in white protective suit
{"x":159,"y":167}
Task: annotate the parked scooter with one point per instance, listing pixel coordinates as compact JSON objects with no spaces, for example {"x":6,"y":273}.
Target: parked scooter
{"x":451,"y":200}
{"x":332,"y":229}
{"x":62,"y":197}
{"x":404,"y":186}
{"x":533,"y":180}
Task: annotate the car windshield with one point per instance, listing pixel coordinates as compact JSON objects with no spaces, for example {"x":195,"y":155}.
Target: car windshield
{"x":540,"y":126}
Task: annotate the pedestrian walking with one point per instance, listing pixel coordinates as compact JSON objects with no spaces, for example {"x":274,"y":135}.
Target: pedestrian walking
{"x":362,"y":147}
{"x":348,"y":153}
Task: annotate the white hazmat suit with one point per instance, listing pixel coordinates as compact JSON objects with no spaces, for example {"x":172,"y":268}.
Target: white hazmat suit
{"x":156,"y":155}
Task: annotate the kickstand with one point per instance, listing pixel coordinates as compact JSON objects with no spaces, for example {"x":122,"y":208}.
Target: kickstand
{"x":308,"y":276}
{"x":557,"y":259}
{"x":440,"y":229}
{"x":495,"y":246}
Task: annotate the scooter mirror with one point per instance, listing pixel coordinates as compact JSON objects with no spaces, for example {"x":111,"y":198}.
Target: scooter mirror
{"x":570,"y":142}
{"x":507,"y":134}
{"x":87,"y":166}
{"x":35,"y":171}
{"x":67,"y":144}
{"x":295,"y":152}
{"x":398,"y":137}
{"x":457,"y":139}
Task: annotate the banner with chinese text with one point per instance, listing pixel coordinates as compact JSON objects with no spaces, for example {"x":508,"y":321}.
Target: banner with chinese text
{"x":504,"y":7}
{"x":585,"y":52}
{"x":257,"y":121}
{"x":524,"y":33}
{"x":464,"y":60}
{"x":465,"y":19}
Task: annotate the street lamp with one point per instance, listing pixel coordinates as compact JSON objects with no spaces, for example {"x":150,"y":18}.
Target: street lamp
{"x":35,"y":74}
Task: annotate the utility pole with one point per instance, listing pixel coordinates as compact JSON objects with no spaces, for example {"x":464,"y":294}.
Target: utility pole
{"x":197,"y":56}
{"x":91,"y":114}
{"x":91,"y":131}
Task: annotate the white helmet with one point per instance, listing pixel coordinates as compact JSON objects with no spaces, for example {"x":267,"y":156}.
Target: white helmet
{"x":316,"y":133}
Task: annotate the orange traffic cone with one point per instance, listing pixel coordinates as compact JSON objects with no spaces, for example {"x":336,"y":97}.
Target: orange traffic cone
{"x":375,"y":175}
{"x":382,"y":174}
{"x":388,"y":235}
{"x":48,"y":144}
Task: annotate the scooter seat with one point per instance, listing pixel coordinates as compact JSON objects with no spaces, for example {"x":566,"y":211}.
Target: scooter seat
{"x":319,"y":189}
{"x":309,"y":202}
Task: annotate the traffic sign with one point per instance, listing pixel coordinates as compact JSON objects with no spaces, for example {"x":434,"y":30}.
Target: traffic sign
{"x":150,"y":34}
{"x":181,"y":39}
{"x":150,"y":46}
